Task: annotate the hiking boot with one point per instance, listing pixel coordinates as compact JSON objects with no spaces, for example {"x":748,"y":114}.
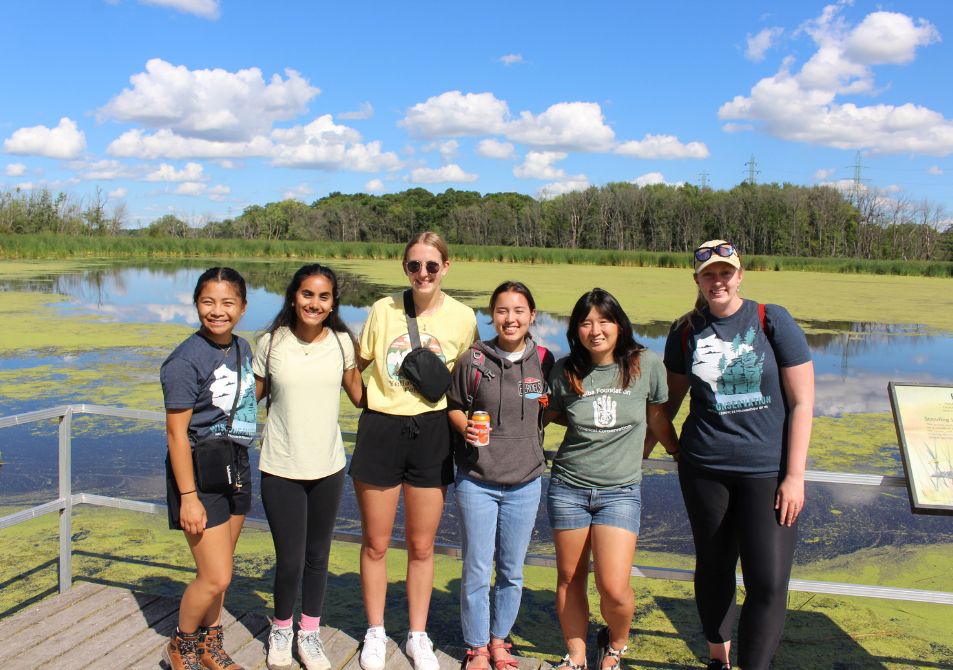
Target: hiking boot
{"x":211,"y":652}
{"x":715,"y":664}
{"x":311,"y":651}
{"x":181,"y":652}
{"x":279,"y":649}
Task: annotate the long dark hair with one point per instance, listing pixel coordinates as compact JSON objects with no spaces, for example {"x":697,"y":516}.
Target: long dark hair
{"x":227,"y":275}
{"x":626,"y":353}
{"x":288,"y":318}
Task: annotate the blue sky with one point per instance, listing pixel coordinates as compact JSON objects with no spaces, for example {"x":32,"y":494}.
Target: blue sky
{"x":203,"y":107}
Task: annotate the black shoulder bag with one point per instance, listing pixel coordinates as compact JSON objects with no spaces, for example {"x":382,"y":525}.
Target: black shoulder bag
{"x":215,"y":459}
{"x":422,"y":367}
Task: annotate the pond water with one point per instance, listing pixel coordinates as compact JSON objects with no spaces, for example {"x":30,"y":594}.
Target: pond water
{"x":854,"y":362}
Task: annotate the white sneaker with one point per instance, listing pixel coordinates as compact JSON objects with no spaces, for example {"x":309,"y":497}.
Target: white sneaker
{"x":374,"y":651}
{"x":311,"y":651}
{"x":420,"y":650}
{"x":279,"y":649}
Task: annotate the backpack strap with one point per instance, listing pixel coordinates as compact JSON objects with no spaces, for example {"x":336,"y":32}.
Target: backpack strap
{"x":546,"y":365}
{"x":475,"y":374}
{"x":411,"y":315}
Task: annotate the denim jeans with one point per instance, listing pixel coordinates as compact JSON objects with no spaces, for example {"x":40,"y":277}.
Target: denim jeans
{"x":496,"y":523}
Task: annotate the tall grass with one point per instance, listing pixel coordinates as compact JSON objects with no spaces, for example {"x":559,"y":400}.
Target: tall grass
{"x":47,"y":246}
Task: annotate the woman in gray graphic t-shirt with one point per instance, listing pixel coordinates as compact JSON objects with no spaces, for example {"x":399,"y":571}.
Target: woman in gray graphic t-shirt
{"x":743,"y":452}
{"x":608,"y":389}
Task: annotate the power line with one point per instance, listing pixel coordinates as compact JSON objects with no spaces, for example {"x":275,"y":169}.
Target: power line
{"x":751,"y":171}
{"x":704,"y":180}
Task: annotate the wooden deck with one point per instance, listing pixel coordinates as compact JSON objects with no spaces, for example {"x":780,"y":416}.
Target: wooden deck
{"x":99,"y":627}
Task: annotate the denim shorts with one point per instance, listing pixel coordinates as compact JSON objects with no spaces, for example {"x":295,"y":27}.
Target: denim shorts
{"x":572,"y":507}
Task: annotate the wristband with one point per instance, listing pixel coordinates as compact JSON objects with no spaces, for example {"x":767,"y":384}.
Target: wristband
{"x":186,"y":493}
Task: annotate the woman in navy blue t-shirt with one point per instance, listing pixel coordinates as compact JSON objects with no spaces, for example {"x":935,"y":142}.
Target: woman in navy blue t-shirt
{"x":743,"y":451}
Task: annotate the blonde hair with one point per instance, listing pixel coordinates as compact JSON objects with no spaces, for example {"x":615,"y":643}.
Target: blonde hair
{"x":700,"y":304}
{"x":431,"y":239}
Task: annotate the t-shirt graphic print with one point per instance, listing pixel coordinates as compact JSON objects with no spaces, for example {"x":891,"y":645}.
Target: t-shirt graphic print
{"x":223,"y":388}
{"x":732,"y":369}
{"x":398,"y":349}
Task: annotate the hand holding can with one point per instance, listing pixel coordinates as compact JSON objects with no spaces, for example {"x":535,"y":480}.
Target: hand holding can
{"x":481,"y":425}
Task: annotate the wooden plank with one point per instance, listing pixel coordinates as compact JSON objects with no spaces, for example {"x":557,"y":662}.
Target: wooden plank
{"x":244,"y":631}
{"x":527,"y":662}
{"x":449,"y":657}
{"x":44,"y":610}
{"x":339,"y":647}
{"x":151,"y":639}
{"x":45,"y":629}
{"x":83,"y":629}
{"x":252,"y":655}
{"x":113,"y":641}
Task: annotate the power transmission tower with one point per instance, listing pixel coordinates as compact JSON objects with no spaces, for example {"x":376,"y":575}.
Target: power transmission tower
{"x":704,"y":179}
{"x":858,"y":177}
{"x":751,"y":171}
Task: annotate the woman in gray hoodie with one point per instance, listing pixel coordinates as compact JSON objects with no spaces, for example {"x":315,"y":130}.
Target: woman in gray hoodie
{"x":497,"y":486}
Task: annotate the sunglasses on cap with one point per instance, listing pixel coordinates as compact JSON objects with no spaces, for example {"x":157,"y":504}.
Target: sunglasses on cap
{"x":413,"y":267}
{"x":724,"y":250}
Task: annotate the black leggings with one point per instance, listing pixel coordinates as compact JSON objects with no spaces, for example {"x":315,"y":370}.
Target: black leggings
{"x":732,"y":516}
{"x":301,"y":513}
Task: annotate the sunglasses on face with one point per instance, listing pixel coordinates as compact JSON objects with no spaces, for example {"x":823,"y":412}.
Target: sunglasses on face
{"x":724,"y":250}
{"x":413,"y":267}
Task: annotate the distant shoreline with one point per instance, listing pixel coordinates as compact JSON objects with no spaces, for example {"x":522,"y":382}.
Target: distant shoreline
{"x":50,"y":246}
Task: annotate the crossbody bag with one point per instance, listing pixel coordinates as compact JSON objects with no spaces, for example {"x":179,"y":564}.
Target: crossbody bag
{"x":215,"y":459}
{"x":422,"y":367}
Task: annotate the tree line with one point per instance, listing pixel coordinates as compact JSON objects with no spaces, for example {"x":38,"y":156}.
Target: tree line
{"x":764,"y":219}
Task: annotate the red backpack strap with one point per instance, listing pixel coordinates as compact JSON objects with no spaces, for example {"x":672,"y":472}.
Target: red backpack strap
{"x":761,"y":317}
{"x":546,"y":360}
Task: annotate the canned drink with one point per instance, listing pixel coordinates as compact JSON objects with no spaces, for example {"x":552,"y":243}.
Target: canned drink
{"x":481,"y":421}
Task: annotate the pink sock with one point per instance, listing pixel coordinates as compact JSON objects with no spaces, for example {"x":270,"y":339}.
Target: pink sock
{"x":282,"y":623}
{"x":310,"y":623}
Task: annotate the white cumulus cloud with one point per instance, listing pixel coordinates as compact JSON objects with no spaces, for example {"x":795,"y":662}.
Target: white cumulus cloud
{"x":214,"y":105}
{"x":207,"y":9}
{"x":663,"y":146}
{"x":118,"y":193}
{"x":493,"y":148}
{"x":802,"y":106}
{"x":365,"y":112}
{"x":194,"y":189}
{"x":165,"y":172}
{"x":822,"y":174}
{"x":654,"y":178}
{"x":539,"y":165}
{"x":446,"y":148}
{"x":761,"y":42}
{"x":453,"y":114}
{"x":64,"y":141}
{"x":299,"y":192}
{"x":550,"y":191}
{"x":934,"y":169}
{"x":448,"y":173}
{"x":375,"y":186}
{"x":511,"y":58}
{"x":565,"y":126}
{"x":14,"y":170}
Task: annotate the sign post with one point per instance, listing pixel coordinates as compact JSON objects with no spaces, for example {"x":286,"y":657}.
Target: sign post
{"x":923,"y":416}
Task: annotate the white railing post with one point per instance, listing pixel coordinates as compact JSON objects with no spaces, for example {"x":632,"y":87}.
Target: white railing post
{"x":66,"y":494}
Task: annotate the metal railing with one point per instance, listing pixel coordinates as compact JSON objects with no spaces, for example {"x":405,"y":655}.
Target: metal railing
{"x":67,"y":499}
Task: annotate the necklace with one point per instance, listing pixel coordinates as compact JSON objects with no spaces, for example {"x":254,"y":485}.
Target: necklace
{"x":430,"y":312}
{"x":309,"y":348}
{"x":225,"y":350}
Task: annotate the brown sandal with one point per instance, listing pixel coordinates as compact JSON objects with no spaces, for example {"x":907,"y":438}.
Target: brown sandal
{"x":504,"y":663}
{"x":473,"y":653}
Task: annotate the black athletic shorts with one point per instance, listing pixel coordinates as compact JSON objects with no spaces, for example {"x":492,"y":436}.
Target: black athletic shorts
{"x":218,"y":506}
{"x":393,"y":449}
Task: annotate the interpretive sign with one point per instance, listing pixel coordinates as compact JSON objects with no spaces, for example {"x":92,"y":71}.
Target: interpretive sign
{"x":923,"y":415}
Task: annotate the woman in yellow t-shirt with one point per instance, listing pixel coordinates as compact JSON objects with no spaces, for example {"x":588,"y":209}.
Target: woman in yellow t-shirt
{"x":404,"y":443}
